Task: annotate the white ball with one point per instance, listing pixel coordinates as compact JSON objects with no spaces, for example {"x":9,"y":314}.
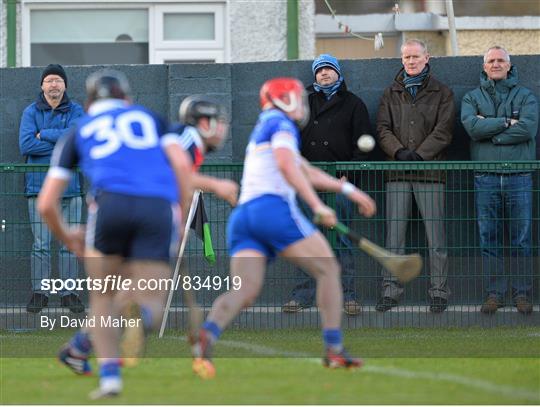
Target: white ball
{"x":366,"y":143}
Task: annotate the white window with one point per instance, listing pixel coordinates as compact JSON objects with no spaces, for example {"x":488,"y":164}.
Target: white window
{"x":123,"y":32}
{"x":189,"y":32}
{"x":121,"y":37}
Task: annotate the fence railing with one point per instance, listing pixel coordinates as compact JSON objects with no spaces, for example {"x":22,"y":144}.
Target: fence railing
{"x":432,"y":208}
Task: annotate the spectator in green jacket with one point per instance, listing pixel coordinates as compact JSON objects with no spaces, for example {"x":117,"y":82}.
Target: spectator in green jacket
{"x":501,"y":118}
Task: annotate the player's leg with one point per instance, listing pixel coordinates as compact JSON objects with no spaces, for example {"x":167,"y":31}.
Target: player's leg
{"x":103,"y":311}
{"x":249,"y":266}
{"x":314,"y":255}
{"x":108,"y":233}
{"x":142,"y":305}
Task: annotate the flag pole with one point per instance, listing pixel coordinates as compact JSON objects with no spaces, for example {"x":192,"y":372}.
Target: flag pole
{"x":191,"y":215}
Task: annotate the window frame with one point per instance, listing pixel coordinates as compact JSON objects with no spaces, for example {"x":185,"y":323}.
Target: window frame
{"x":219,"y":26}
{"x":218,"y":49}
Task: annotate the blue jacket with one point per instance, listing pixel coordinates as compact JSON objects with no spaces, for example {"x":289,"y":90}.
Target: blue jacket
{"x":39,"y":117}
{"x":496,"y":101}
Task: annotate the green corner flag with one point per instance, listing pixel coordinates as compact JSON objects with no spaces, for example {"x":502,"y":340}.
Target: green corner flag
{"x":202,"y":229}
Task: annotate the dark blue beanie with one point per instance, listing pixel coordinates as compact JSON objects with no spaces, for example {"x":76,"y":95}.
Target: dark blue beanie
{"x":326,"y":60}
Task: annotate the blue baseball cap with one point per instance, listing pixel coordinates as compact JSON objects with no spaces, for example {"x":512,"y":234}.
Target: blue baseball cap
{"x":326,"y":60}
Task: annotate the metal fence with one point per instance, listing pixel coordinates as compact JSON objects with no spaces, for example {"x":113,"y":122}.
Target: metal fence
{"x":449,"y":243}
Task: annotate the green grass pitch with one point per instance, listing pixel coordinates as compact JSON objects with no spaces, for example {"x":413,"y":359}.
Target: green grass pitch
{"x":402,"y":366}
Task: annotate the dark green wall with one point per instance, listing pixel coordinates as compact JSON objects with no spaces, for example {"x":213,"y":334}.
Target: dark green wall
{"x":162,"y":87}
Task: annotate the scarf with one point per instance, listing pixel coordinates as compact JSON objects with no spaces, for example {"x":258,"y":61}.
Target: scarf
{"x":413,"y":83}
{"x":328,"y":90}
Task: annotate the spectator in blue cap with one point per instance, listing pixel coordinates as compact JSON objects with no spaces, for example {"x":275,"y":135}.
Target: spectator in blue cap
{"x":337,"y":119}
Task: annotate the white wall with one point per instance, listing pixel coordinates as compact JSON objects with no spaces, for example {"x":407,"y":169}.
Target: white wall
{"x":3,"y":24}
{"x":259,"y":30}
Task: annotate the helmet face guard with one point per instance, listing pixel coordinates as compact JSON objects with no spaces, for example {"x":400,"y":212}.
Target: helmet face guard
{"x":107,"y":84}
{"x":287,"y":95}
{"x":194,"y":108}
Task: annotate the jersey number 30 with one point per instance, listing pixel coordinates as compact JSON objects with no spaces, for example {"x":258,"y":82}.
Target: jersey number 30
{"x":119,"y":131}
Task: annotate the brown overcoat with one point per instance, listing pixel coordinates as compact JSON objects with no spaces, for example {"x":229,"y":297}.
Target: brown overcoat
{"x":423,"y":125}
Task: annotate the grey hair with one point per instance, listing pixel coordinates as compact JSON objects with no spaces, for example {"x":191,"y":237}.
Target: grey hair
{"x":499,"y":48}
{"x":414,"y":41}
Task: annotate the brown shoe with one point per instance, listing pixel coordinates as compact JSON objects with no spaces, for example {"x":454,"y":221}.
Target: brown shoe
{"x":523,"y":305}
{"x":292,"y":306}
{"x":352,"y":307}
{"x":490,"y":306}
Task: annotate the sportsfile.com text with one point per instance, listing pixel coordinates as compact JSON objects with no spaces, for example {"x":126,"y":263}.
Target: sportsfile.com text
{"x":119,"y":283}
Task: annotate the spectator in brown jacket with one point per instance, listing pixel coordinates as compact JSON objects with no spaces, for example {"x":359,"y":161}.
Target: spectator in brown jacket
{"x":414,"y":123}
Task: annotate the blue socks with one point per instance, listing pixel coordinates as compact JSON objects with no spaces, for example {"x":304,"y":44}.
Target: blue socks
{"x":213,"y":329}
{"x":80,"y":344}
{"x":110,"y":368}
{"x":333,"y":339}
{"x":146,"y":316}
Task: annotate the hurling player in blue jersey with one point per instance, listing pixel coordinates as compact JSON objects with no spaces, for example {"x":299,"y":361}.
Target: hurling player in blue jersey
{"x":140,"y":180}
{"x":203,"y":128}
{"x":267,"y":222}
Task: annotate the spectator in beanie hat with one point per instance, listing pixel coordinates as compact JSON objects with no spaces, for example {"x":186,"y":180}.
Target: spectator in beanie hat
{"x":43,"y":123}
{"x":56,"y":70}
{"x":337,"y":119}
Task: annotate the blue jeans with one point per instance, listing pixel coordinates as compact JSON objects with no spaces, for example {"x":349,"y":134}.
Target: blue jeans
{"x":500,"y":197}
{"x":41,"y":249}
{"x":304,"y":290}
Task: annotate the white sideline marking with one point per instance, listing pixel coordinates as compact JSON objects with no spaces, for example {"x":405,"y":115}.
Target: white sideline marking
{"x":489,"y":387}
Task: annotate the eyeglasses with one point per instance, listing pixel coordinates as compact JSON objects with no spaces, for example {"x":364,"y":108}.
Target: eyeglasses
{"x":58,"y":81}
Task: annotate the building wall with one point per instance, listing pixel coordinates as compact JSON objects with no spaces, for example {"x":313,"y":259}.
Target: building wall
{"x":251,"y":23}
{"x":517,"y":42}
{"x":3,"y":34}
{"x":470,"y":42}
{"x":435,"y":41}
{"x":356,"y":48}
{"x":3,"y":28}
{"x":307,"y":29}
{"x":19,"y":35}
{"x":259,"y":30}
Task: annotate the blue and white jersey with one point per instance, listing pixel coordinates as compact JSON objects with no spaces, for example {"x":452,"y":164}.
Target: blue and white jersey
{"x":261,"y":173}
{"x":119,"y":149}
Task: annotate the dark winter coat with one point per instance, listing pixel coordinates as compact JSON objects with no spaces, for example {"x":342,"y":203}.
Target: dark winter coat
{"x":423,"y":125}
{"x":335,"y":126}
